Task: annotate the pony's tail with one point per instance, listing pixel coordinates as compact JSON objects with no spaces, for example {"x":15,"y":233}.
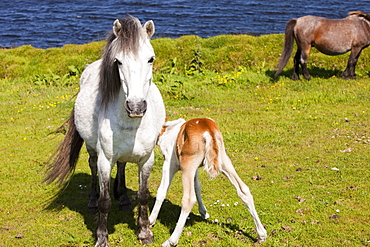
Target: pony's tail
{"x":63,"y":162}
{"x":213,"y":150}
{"x":288,"y":46}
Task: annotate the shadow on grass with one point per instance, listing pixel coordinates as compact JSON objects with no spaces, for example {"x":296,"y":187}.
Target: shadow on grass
{"x":315,"y":72}
{"x":76,"y":197}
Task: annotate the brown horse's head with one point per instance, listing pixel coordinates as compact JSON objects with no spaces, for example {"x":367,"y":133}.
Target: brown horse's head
{"x":360,"y":14}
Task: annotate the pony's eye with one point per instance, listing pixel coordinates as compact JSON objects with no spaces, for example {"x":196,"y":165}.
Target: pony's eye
{"x":151,"y":60}
{"x":118,"y":62}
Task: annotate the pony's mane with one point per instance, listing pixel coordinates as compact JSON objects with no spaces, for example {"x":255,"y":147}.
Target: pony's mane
{"x":360,"y":14}
{"x":127,"y":41}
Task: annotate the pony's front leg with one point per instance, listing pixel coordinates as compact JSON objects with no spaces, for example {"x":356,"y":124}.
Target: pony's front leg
{"x":94,"y":195}
{"x":168,"y":171}
{"x":144,"y":234}
{"x":119,"y":188}
{"x":104,"y":202}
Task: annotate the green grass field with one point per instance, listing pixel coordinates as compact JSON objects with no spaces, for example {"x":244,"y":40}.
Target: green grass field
{"x":301,"y":146}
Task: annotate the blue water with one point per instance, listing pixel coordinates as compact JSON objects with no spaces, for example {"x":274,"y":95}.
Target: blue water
{"x":53,"y":23}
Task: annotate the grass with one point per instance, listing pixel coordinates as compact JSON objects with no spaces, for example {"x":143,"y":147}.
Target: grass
{"x":302,"y":147}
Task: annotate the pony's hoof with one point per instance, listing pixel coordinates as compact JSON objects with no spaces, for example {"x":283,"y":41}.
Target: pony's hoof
{"x":348,"y":77}
{"x":126,"y":207}
{"x":295,"y":78}
{"x":102,"y":243}
{"x":93,"y":209}
{"x":146,"y":236}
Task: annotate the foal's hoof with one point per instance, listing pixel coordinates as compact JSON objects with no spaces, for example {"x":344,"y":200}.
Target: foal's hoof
{"x":205,"y":216}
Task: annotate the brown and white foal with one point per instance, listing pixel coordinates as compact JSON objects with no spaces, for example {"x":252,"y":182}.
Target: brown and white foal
{"x":186,"y":146}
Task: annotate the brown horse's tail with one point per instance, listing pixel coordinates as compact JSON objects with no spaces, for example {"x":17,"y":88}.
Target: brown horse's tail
{"x":288,"y":46}
{"x":63,"y":162}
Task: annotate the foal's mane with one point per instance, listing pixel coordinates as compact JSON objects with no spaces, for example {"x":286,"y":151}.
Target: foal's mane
{"x":127,"y":41}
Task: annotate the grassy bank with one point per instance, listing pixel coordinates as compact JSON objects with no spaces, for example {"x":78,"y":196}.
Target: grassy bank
{"x":302,"y":147}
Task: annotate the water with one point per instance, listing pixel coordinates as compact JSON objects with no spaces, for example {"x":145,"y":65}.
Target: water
{"x":53,"y":23}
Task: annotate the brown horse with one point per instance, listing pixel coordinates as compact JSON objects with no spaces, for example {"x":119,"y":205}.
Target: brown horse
{"x":329,"y":36}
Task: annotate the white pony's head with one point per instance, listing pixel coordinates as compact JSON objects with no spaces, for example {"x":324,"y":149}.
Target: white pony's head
{"x":127,"y":64}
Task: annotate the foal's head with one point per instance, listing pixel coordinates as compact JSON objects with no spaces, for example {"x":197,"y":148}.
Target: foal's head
{"x":127,"y":64}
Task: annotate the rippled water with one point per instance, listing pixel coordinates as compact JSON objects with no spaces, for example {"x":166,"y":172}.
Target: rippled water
{"x":53,"y":23}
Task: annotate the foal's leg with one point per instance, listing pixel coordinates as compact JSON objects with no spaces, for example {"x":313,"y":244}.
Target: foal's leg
{"x":104,"y":202}
{"x":201,"y":208}
{"x":94,"y":195}
{"x":244,"y":193}
{"x":119,"y":188}
{"x":189,"y":168}
{"x":349,"y":72}
{"x":168,"y":171}
{"x":144,"y":234}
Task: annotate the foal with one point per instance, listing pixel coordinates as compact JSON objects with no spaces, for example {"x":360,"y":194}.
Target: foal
{"x":186,"y":146}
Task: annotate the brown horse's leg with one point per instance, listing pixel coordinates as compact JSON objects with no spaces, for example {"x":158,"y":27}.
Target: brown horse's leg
{"x":94,"y":195}
{"x":297,"y":61}
{"x":349,"y":72}
{"x":303,"y":60}
{"x":119,"y":188}
{"x":144,"y":234}
{"x":300,"y":58}
{"x":305,"y":72}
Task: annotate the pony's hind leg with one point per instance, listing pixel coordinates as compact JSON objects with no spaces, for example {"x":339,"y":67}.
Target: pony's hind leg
{"x":244,"y":193}
{"x":144,"y":234}
{"x":349,"y":72}
{"x":297,"y":62}
{"x":94,"y":194}
{"x":300,"y":58}
{"x":201,"y":208}
{"x":119,"y":188}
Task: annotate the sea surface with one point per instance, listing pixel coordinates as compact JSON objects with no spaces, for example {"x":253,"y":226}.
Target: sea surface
{"x":53,"y":23}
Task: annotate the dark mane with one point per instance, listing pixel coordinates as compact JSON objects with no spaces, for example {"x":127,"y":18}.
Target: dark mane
{"x":126,"y":41}
{"x":360,"y":14}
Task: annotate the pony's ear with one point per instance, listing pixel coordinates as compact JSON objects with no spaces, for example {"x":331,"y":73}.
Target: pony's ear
{"x":116,"y":27}
{"x":149,"y":28}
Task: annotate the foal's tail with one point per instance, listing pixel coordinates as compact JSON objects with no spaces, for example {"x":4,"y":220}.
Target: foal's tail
{"x":63,"y":162}
{"x":214,"y":147}
{"x":288,"y":46}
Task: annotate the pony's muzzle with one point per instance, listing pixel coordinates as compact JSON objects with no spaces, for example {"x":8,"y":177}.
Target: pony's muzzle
{"x":136,"y":109}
